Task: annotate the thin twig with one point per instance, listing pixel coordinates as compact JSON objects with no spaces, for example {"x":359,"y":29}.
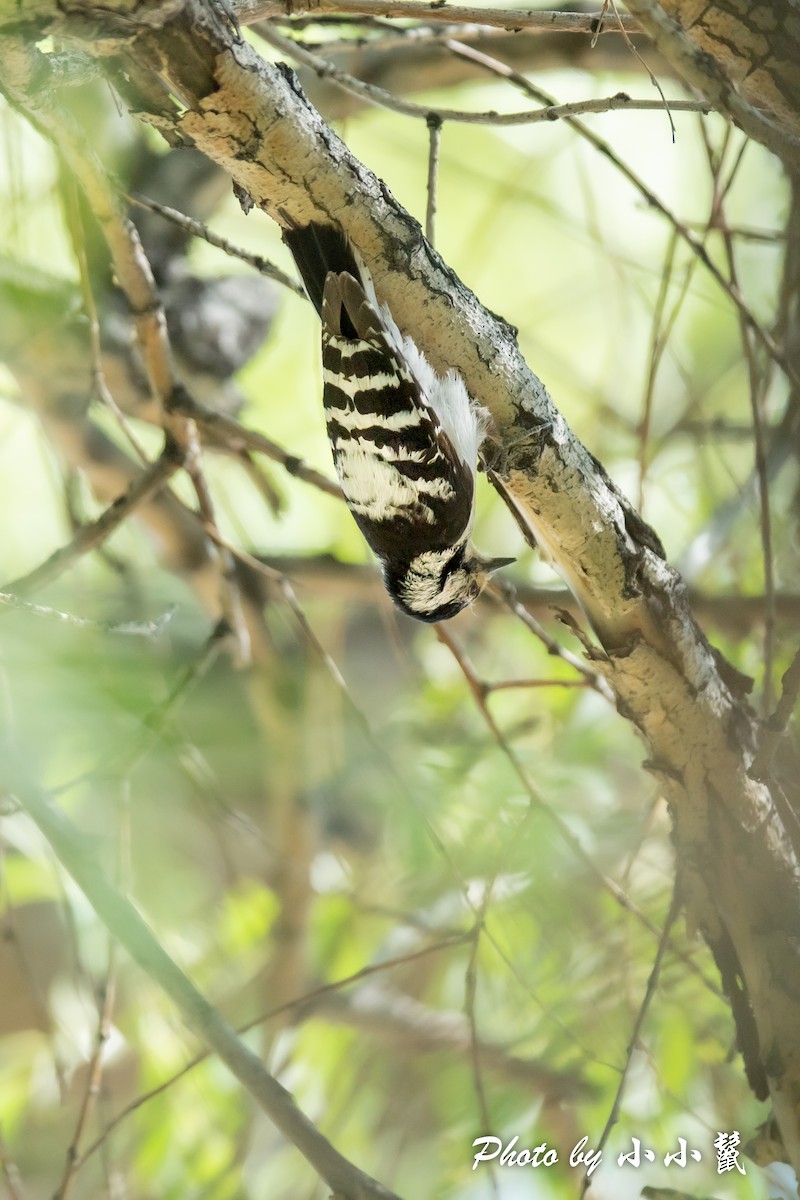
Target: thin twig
{"x":658,"y":342}
{"x":11,"y":1172}
{"x":667,"y":104}
{"x":617,"y":893}
{"x":507,"y":593}
{"x":260,"y":481}
{"x":508,"y":684}
{"x":199,"y":230}
{"x":96,"y":532}
{"x":470,"y":995}
{"x":94,"y":1074}
{"x":650,"y":991}
{"x":127,"y":926}
{"x":230,"y":596}
{"x":601,"y":25}
{"x":435,"y":138}
{"x":514,"y":19}
{"x":501,"y":69}
{"x":145,"y":629}
{"x":776,"y":726}
{"x":383,"y":99}
{"x":297,"y":1005}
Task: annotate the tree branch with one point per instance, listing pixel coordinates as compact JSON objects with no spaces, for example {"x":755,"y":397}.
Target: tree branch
{"x":128,"y":927}
{"x":93,"y":535}
{"x":249,"y":11}
{"x":703,"y":72}
{"x":379,"y":96}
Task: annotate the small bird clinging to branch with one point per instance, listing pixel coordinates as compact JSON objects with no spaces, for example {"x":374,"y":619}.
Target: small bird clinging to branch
{"x":405,"y":440}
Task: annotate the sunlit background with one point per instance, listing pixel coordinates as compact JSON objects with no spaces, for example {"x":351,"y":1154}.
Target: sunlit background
{"x":287,"y":828}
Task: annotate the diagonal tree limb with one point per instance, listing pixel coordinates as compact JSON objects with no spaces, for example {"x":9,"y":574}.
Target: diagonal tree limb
{"x":346,"y":1180}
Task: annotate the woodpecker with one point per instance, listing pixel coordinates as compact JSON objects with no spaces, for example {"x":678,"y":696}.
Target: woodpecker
{"x":405,"y":440}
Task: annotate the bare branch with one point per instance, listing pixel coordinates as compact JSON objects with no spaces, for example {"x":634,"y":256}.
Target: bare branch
{"x":146,"y":629}
{"x":376,"y":95}
{"x":435,"y":138}
{"x":199,"y":230}
{"x":695,"y":243}
{"x":11,"y":1173}
{"x":94,"y":1075}
{"x":91,"y":536}
{"x":250,"y":11}
{"x":128,"y":927}
{"x":777,"y":724}
{"x":650,"y":991}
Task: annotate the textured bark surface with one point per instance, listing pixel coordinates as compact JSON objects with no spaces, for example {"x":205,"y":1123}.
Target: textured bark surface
{"x":757,"y":44}
{"x":741,"y":57}
{"x":737,"y":866}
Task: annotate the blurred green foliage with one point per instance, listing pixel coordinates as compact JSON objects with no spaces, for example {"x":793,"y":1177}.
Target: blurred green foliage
{"x":391,"y":809}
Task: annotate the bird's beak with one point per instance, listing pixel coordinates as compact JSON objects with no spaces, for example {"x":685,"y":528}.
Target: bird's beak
{"x":494,"y":564}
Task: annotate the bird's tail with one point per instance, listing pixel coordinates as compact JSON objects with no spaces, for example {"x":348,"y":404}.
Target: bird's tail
{"x":319,"y":249}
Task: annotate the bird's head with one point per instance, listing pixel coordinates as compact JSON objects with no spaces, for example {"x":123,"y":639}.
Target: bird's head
{"x":438,"y":584}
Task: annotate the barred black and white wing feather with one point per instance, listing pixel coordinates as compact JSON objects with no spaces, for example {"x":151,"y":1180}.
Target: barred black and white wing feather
{"x":405,"y":441}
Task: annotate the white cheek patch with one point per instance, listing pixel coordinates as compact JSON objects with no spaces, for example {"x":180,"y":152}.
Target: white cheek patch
{"x":421,"y":590}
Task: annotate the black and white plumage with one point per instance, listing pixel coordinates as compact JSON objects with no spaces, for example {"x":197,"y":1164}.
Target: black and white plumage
{"x":405,"y":440}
